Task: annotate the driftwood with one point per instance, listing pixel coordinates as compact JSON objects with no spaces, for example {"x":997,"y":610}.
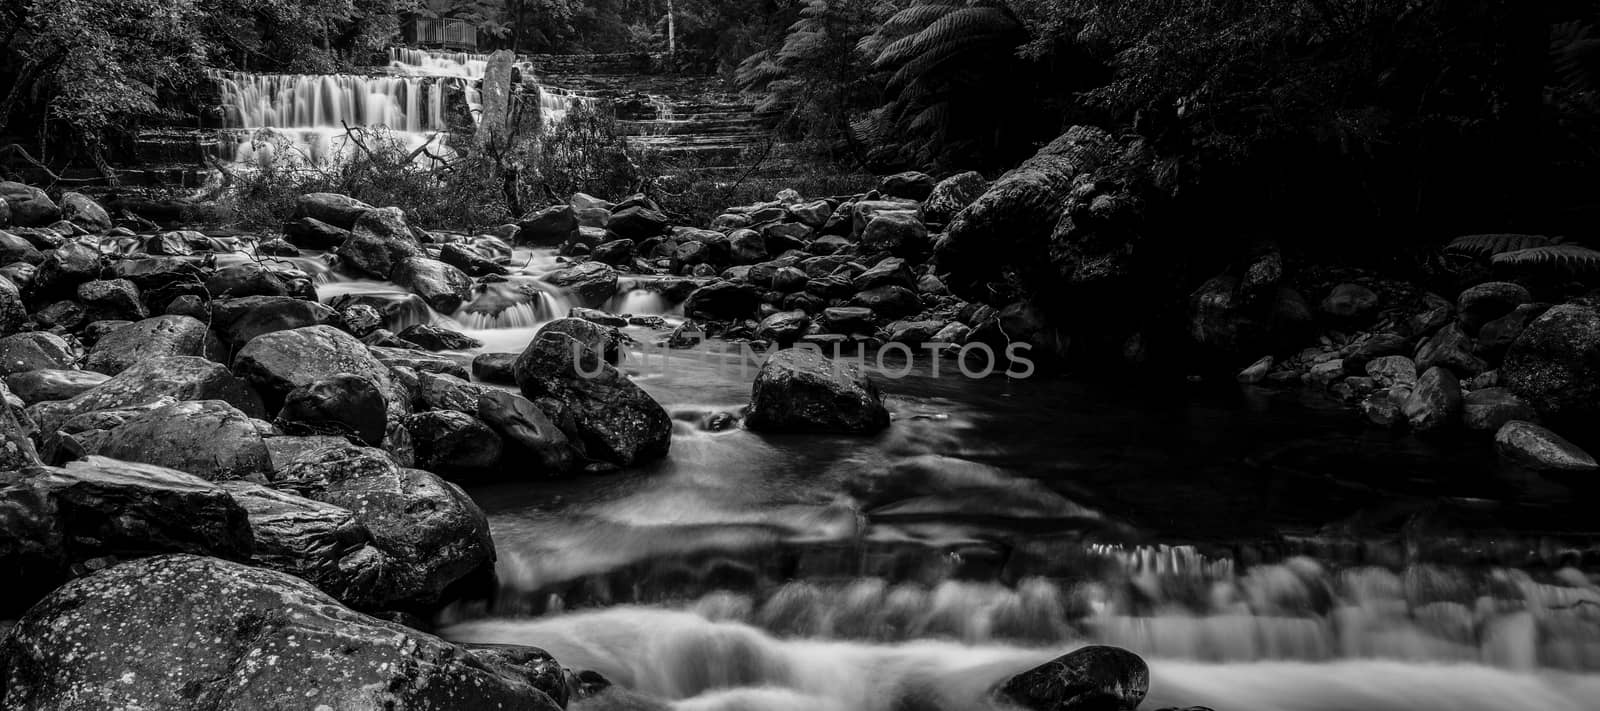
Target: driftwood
{"x":16,"y":150}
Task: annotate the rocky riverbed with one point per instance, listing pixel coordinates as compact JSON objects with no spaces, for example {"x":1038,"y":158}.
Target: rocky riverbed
{"x":226,"y":485}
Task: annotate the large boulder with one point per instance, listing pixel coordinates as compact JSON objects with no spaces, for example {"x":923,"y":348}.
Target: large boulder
{"x":279,"y":362}
{"x":722,"y":300}
{"x":952,"y":195}
{"x":637,"y":223}
{"x":53,"y":384}
{"x":29,"y":206}
{"x":151,"y":338}
{"x":608,"y":341}
{"x":550,"y":227}
{"x":83,"y":211}
{"x":379,"y":240}
{"x":178,"y":377}
{"x":248,"y":279}
{"x":237,"y":321}
{"x":207,"y":438}
{"x":430,"y":531}
{"x":320,"y":543}
{"x":452,"y":442}
{"x":592,"y":283}
{"x":1014,"y":219}
{"x":899,"y":232}
{"x":57,"y":519}
{"x":617,"y":421}
{"x":911,"y":185}
{"x":1555,"y":363}
{"x":1094,"y":678}
{"x":14,"y":249}
{"x":312,"y":233}
{"x":1436,"y":402}
{"x":333,"y":209}
{"x":1449,"y":347}
{"x":800,"y":390}
{"x":531,"y":439}
{"x":1538,"y":448}
{"x":444,"y":287}
{"x":1486,"y":302}
{"x":340,"y":404}
{"x":1488,"y":409}
{"x":195,"y":632}
{"x":35,"y":350}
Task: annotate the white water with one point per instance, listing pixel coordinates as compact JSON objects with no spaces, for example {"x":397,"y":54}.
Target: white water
{"x":702,"y":664}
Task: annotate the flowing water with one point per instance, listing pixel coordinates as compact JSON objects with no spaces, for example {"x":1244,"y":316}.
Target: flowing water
{"x":1262,"y":551}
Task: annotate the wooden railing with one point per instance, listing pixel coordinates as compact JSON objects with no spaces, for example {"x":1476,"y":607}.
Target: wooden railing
{"x":449,"y":33}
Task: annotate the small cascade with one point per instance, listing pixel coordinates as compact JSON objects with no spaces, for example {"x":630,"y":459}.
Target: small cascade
{"x":638,"y":302}
{"x":517,"y":304}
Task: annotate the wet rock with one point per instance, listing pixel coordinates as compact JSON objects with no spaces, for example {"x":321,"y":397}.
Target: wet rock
{"x":435,"y":338}
{"x":549,"y":227}
{"x":36,"y":350}
{"x":722,"y":300}
{"x":784,"y":327}
{"x":914,"y":333}
{"x":179,"y":377}
{"x":597,"y":316}
{"x":238,"y":321}
{"x":1486,"y":302}
{"x":312,"y":233}
{"x":1497,"y":336}
{"x":28,"y":206}
{"x":1436,"y":402}
{"x":495,"y":368}
{"x":419,"y":361}
{"x":616,"y":252}
{"x":442,"y":286}
{"x":1393,"y":370}
{"x":359,"y":319}
{"x":67,"y":266}
{"x":608,"y":341}
{"x":800,"y":390}
{"x":279,"y":362}
{"x":1378,"y":345}
{"x":16,"y":443}
{"x":848,"y":319}
{"x":432,"y":533}
{"x":531,"y":439}
{"x":1257,"y":371}
{"x":469,"y":262}
{"x":591,"y":283}
{"x":1450,"y":348}
{"x":789,"y":280}
{"x":447,"y":392}
{"x":452,"y":442}
{"x":197,"y":632}
{"x":151,"y":338}
{"x":341,"y":404}
{"x":1094,"y":678}
{"x":1537,"y":448}
{"x":1490,"y":408}
{"x":242,"y":280}
{"x":1384,"y":407}
{"x":618,"y":422}
{"x":746,"y":247}
{"x":1555,"y":364}
{"x":12,"y":312}
{"x":14,"y":249}
{"x":889,"y":272}
{"x":911,"y":185}
{"x":83,"y":211}
{"x":207,"y":438}
{"x":637,"y":223}
{"x":898,"y":232}
{"x":889,"y":301}
{"x":111,"y":299}
{"x":53,"y":384}
{"x":952,"y":195}
{"x":334,"y":209}
{"x":1350,"y":302}
{"x":954,"y":333}
{"x":379,"y":241}
{"x":320,"y":543}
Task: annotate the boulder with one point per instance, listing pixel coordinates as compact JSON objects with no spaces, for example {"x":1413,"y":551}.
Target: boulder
{"x":378,"y":242}
{"x":898,"y":232}
{"x":447,"y":392}
{"x":83,"y":211}
{"x":549,"y":227}
{"x":591,"y":283}
{"x":637,"y":222}
{"x":1497,"y":336}
{"x":312,"y":233}
{"x":1436,"y":402}
{"x":1488,"y":409}
{"x":36,"y":350}
{"x":608,"y":341}
{"x":914,"y":333}
{"x":452,"y":442}
{"x":29,"y":206}
{"x":16,"y":443}
{"x":1450,"y":347}
{"x":279,"y":362}
{"x":320,"y":543}
{"x":722,"y":300}
{"x":238,"y":321}
{"x":889,"y":301}
{"x":530,"y":438}
{"x":1486,"y":302}
{"x":419,"y":361}
{"x":1377,"y":345}
{"x":53,"y":384}
{"x":195,"y":632}
{"x":339,"y":404}
{"x":1257,"y":371}
{"x":1555,"y":364}
{"x":1352,"y":302}
{"x":617,"y":421}
{"x":435,"y":338}
{"x":1393,"y":370}
{"x":14,"y":249}
{"x":910,"y":185}
{"x":178,"y":377}
{"x":889,"y":272}
{"x":617,"y":252}
{"x":1540,"y":449}
{"x":150,"y":338}
{"x":849,"y":319}
{"x":67,"y":266}
{"x":444,"y":287}
{"x":747,"y":247}
{"x":430,"y":530}
{"x":498,"y":368}
{"x":207,"y":438}
{"x":333,"y":209}
{"x":812,"y":214}
{"x":784,"y":327}
{"x":1093,"y":678}
{"x":13,"y":314}
{"x":952,"y":195}
{"x":800,"y":390}
{"x":470,"y":262}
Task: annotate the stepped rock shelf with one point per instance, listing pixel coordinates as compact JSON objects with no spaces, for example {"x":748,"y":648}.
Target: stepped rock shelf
{"x":431,"y":97}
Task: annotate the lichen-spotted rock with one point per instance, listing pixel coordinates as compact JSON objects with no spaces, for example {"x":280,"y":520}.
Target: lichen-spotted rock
{"x":189,"y":632}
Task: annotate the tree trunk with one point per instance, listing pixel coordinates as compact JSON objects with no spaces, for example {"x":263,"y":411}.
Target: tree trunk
{"x":672,"y":31}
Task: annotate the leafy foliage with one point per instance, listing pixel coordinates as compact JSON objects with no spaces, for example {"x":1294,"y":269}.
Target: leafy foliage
{"x":1490,"y":245}
{"x":1571,"y":258}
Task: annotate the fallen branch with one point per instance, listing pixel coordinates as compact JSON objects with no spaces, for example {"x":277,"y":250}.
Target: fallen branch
{"x":15,"y":149}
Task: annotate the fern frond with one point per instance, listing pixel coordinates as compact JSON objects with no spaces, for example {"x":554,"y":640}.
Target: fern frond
{"x":1489,"y":245}
{"x":1573,"y":258}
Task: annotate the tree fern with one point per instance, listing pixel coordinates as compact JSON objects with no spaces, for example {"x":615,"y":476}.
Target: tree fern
{"x":1488,"y":245}
{"x":1571,"y":258}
